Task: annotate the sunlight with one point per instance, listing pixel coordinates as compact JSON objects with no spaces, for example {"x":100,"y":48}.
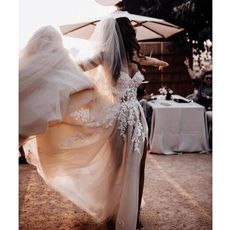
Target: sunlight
{"x":34,"y":14}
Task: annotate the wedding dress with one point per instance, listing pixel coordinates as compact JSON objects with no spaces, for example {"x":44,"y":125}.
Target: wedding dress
{"x":92,"y":155}
{"x":47,"y":78}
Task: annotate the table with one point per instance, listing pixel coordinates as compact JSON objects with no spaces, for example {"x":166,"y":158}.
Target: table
{"x":177,"y":127}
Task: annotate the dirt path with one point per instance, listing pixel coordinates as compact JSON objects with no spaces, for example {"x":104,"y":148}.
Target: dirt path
{"x":177,"y":196}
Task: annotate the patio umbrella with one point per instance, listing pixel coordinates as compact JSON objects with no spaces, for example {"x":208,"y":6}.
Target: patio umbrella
{"x":146,"y":27}
{"x":107,"y":2}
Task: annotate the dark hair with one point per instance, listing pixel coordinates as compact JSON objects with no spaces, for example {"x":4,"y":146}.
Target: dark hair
{"x":120,"y":5}
{"x":206,"y":73}
{"x":129,"y":39}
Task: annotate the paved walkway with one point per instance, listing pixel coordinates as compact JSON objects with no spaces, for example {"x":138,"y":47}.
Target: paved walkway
{"x":177,"y":196}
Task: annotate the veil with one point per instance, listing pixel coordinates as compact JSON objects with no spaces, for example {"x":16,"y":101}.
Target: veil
{"x":104,"y":61}
{"x":47,"y":78}
{"x":107,"y":48}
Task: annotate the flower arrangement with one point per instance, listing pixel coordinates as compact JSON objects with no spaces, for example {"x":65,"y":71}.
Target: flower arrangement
{"x":162,"y":91}
{"x":166,"y":91}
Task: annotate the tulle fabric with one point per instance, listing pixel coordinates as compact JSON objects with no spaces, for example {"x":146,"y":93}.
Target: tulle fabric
{"x":92,"y":155}
{"x":47,"y":78}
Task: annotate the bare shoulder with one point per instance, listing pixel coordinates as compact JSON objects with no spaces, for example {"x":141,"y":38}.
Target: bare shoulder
{"x":132,"y":68}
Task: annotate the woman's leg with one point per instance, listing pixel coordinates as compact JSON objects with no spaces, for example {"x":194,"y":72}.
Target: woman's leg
{"x":22,"y":159}
{"x":141,"y":184}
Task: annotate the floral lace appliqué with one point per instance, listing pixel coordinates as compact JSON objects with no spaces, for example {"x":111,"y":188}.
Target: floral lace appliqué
{"x":67,"y":143}
{"x":129,"y":114}
{"x":81,"y":115}
{"x":109,"y":117}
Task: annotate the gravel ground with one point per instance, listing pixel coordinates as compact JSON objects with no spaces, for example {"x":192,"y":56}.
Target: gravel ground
{"x":178,"y":196}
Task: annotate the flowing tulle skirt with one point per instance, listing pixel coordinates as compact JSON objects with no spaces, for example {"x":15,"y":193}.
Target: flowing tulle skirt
{"x":90,"y":129}
{"x":93,"y":166}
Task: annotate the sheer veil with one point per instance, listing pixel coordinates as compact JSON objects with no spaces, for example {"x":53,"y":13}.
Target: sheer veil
{"x":105,"y":61}
{"x":48,"y":77}
{"x":106,"y":43}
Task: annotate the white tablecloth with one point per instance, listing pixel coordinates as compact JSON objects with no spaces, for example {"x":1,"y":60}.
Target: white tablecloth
{"x":178,"y":127}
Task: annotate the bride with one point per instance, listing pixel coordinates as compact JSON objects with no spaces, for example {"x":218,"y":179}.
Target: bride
{"x":91,"y":131}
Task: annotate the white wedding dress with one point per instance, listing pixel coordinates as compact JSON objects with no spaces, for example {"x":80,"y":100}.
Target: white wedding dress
{"x":97,"y":167}
{"x":92,"y":153}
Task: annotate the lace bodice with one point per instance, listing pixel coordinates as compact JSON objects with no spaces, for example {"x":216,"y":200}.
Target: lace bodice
{"x":126,"y":86}
{"x":126,"y":110}
{"x":129,"y":116}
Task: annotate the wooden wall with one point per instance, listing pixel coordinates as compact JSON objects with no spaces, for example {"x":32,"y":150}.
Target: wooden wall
{"x":175,"y":76}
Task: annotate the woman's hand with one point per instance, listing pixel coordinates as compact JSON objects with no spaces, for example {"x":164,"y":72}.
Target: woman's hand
{"x":161,"y":68}
{"x":186,"y":62}
{"x":189,"y":69}
{"x":163,"y":65}
{"x":149,"y":61}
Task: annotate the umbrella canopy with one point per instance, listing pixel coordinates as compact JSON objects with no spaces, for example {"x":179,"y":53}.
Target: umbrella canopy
{"x":146,"y":27}
{"x":107,"y":2}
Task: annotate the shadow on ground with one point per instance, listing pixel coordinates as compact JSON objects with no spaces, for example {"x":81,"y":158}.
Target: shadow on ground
{"x":177,"y":196}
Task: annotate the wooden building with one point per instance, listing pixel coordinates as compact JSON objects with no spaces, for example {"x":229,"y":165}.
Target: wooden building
{"x":175,"y":76}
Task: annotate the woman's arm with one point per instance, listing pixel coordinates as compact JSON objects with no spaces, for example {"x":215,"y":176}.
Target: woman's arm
{"x":149,"y":61}
{"x":190,"y":71}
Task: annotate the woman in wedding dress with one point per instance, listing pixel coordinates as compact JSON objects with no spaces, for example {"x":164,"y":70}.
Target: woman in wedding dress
{"x":91,"y":130}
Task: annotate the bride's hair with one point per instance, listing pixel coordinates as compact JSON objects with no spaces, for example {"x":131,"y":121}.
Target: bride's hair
{"x":114,"y":43}
{"x":129,"y":39}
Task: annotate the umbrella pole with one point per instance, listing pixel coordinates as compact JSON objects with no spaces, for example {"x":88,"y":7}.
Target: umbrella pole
{"x":161,"y":59}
